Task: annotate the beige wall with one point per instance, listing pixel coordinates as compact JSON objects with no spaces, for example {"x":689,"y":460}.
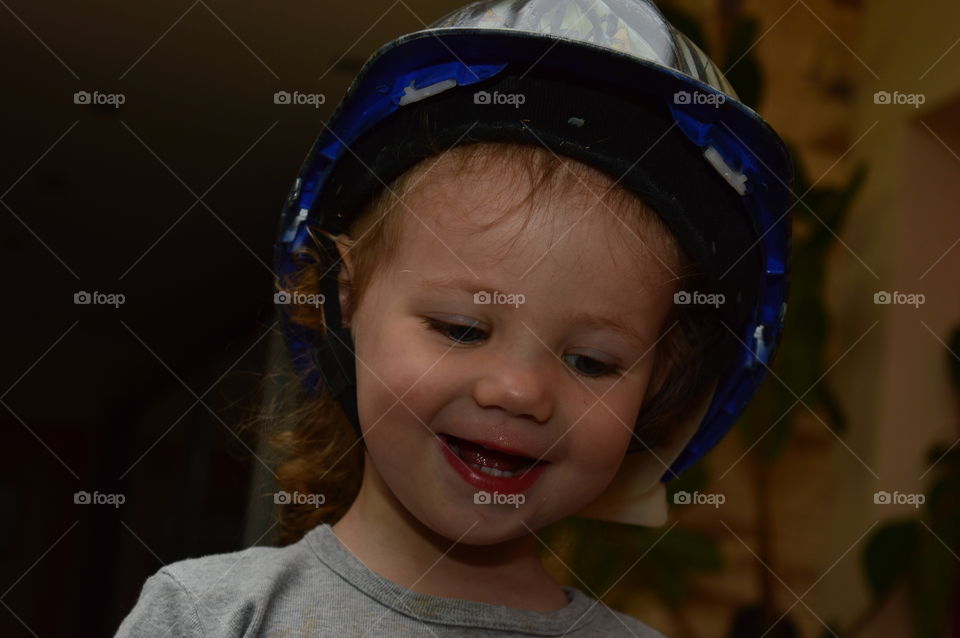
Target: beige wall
{"x":896,"y":389}
{"x":823,"y":61}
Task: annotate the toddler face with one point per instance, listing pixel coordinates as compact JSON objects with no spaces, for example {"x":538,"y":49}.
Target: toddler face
{"x":555,"y":366}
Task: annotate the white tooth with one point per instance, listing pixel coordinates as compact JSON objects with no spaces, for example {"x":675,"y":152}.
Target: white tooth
{"x":491,"y":470}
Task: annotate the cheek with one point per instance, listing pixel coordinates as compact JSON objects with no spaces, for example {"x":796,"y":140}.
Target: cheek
{"x":395,"y":405}
{"x":396,"y":375}
{"x":599,"y":440}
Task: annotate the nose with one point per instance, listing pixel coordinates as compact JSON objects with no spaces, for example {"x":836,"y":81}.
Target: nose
{"x":516,"y":381}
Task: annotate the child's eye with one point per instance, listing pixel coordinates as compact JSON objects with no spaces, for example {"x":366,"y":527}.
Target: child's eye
{"x":456,"y":332}
{"x":596,"y":369}
{"x":452,"y":330}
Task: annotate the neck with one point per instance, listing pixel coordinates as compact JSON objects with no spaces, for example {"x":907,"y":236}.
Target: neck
{"x":389,"y":540}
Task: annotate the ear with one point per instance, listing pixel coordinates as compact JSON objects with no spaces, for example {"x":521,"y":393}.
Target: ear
{"x":345,"y":277}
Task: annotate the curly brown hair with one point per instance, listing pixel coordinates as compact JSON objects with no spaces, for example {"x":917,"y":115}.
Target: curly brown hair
{"x":315,"y":448}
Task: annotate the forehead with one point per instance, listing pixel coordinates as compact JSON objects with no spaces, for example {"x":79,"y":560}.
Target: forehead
{"x":573,"y":228}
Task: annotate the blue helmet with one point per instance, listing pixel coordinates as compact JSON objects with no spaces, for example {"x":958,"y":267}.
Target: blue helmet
{"x":610,"y":83}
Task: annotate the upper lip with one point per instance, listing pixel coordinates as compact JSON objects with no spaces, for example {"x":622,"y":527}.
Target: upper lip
{"x":500,"y":448}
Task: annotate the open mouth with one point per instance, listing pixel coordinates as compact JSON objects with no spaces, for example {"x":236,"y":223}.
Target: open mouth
{"x":488,"y":461}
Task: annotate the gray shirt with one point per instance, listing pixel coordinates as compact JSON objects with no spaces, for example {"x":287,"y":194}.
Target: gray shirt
{"x":316,"y":587}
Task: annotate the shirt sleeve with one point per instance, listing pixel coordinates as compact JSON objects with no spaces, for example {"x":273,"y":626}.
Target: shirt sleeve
{"x":165,"y":609}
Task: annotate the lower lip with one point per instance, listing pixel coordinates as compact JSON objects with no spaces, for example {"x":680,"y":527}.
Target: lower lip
{"x":486,"y":482}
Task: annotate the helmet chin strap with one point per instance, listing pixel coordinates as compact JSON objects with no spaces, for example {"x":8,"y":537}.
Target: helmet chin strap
{"x":332,"y":354}
{"x":335,"y":358}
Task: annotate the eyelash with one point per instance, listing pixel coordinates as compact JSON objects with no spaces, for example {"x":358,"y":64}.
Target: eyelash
{"x":443,"y":327}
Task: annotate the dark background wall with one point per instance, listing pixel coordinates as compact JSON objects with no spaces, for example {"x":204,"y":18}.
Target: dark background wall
{"x":171,"y":200}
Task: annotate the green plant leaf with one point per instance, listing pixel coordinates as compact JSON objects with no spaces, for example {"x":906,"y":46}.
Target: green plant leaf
{"x":826,"y":397}
{"x":953,"y":358}
{"x":931,"y":586}
{"x":827,"y":207}
{"x":669,"y":567}
{"x":944,"y":455}
{"x":752,"y":621}
{"x":800,"y":362}
{"x":889,"y":554}
{"x":801,"y":182}
{"x":943,"y":506}
{"x":601,"y":555}
{"x":692,"y":479}
{"x":740,"y":66}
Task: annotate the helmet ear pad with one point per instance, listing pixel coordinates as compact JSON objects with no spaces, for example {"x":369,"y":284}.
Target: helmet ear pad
{"x":335,"y":359}
{"x":331,"y":355}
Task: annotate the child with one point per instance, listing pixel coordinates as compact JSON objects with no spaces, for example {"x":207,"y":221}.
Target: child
{"x":548,"y":272}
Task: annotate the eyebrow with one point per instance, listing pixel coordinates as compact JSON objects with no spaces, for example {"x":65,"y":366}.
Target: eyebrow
{"x":581,"y":317}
